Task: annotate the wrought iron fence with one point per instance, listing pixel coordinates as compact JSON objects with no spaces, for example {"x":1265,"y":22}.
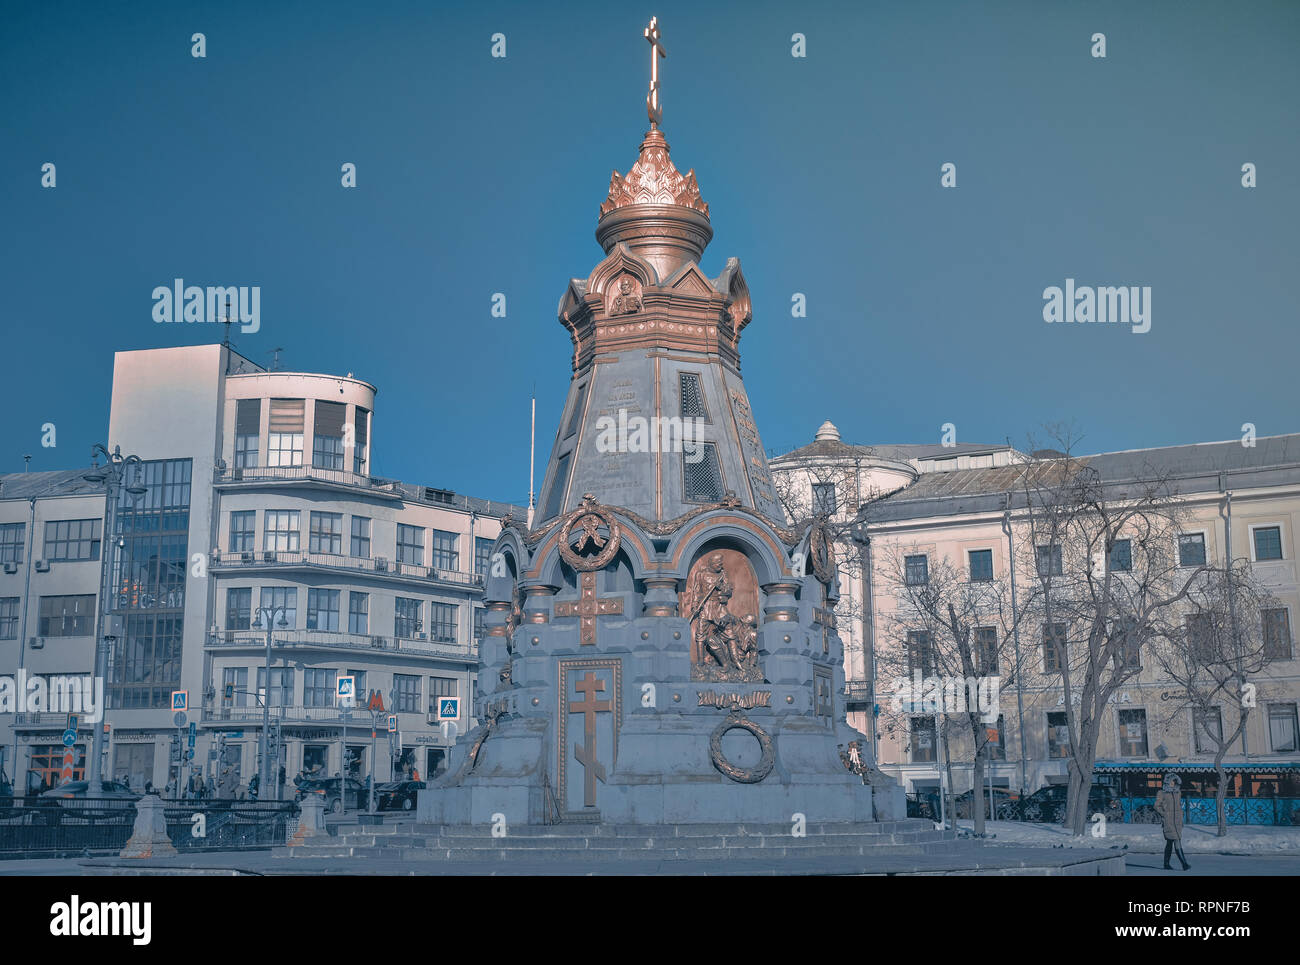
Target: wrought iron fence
{"x":1201,"y":810}
{"x":54,"y":826}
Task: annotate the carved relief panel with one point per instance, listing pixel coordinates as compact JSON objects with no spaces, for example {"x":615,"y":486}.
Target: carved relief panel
{"x":721,"y":602}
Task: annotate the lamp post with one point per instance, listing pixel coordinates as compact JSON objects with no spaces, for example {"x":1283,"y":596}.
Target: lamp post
{"x":111,"y":475}
{"x":862,"y":537}
{"x":266,"y":615}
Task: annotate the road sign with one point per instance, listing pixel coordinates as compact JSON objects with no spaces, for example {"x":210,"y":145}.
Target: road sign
{"x":449,"y":731}
{"x":69,"y":737}
{"x":180,"y":700}
{"x":189,"y":754}
{"x":179,"y":720}
{"x":72,"y":722}
{"x":392,"y":723}
{"x":448,"y":708}
{"x":347,"y":691}
{"x":376,"y":704}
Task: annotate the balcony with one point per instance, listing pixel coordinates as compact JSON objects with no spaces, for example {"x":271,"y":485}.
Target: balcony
{"x":314,"y":476}
{"x":857,"y":691}
{"x":238,"y":640}
{"x":226,"y":561}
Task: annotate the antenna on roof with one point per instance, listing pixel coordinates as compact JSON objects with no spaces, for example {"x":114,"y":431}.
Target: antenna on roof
{"x":275,"y":358}
{"x":225,"y":341}
{"x":26,"y":462}
{"x":532,"y":446}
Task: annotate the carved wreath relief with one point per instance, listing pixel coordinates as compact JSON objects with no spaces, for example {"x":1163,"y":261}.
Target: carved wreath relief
{"x":721,"y":602}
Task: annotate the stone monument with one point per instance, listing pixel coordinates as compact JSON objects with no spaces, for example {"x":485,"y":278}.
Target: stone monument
{"x":661,"y":645}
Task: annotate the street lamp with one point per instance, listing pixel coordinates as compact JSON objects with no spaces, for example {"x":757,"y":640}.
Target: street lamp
{"x":111,"y":475}
{"x":266,"y":615}
{"x":861,"y":536}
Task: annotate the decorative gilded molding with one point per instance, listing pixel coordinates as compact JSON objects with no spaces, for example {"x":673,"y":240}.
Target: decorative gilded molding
{"x":654,"y":179}
{"x":735,"y":701}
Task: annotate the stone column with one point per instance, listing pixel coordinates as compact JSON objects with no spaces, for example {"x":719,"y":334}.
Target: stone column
{"x":149,"y":837}
{"x":311,"y":821}
{"x":660,"y":596}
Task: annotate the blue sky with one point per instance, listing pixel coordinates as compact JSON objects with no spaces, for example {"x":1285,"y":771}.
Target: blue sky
{"x":479,"y":175}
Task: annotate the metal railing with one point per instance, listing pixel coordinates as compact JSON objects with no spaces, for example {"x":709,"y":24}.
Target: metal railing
{"x":50,"y":826}
{"x":339,"y":561}
{"x":337,"y":477}
{"x":338,"y":639}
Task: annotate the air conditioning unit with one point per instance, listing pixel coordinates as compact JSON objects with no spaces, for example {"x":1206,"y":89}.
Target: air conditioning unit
{"x":381,"y":564}
{"x":268,"y":556}
{"x":11,"y":567}
{"x":246,"y":556}
{"x":36,"y":643}
{"x":42,"y":566}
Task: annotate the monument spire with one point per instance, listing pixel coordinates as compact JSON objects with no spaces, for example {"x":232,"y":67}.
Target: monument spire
{"x":653,"y":107}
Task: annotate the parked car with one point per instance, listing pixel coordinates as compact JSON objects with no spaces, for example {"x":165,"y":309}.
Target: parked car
{"x":1047,"y":804}
{"x":328,"y":788}
{"x":1001,"y":797}
{"x":397,"y":795}
{"x":73,"y":800}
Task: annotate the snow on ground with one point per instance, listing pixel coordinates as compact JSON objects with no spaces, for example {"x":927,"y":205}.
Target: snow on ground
{"x":1247,"y":839}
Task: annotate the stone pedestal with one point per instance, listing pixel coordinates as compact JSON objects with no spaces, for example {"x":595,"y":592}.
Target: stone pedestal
{"x":311,"y":822}
{"x":149,"y":838}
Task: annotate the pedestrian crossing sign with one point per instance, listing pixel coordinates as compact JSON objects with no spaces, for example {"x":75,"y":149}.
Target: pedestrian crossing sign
{"x":448,"y":708}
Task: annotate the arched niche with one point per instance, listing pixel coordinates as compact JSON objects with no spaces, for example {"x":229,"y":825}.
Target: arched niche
{"x":722,"y":600}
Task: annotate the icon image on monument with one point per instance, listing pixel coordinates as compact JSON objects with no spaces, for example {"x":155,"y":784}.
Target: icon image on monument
{"x":660,"y":646}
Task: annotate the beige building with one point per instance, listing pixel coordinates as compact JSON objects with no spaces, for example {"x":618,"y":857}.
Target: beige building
{"x":256,"y":491}
{"x":948,"y":513}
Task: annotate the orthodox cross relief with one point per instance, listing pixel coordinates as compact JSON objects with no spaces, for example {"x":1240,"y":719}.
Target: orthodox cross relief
{"x":653,"y":108}
{"x":721,"y":603}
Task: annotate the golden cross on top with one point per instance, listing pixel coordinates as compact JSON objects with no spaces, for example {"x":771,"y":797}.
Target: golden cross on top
{"x":652,"y":105}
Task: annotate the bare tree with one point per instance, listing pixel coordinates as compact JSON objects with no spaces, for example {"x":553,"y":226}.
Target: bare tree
{"x":953,"y":644}
{"x":1212,"y":656}
{"x":1106,"y":577}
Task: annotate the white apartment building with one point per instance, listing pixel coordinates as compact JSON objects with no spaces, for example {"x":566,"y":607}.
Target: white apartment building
{"x":255,"y":491}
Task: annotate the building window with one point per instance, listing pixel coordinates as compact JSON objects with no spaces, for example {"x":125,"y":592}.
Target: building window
{"x":406,"y":693}
{"x":1282,"y":729}
{"x":243,"y":537}
{"x":1121,"y":556}
{"x":1049,"y":560}
{"x":1268,"y":543}
{"x":361,"y":537}
{"x":235,"y":679}
{"x":441,"y":687}
{"x":281,"y":693}
{"x":981,"y":566}
{"x":239,"y":608}
{"x":692,"y":396}
{"x":327,"y":439}
{"x":442,"y":622}
{"x":482,"y":555}
{"x":358,"y":612}
{"x":1277,"y":633}
{"x":1054,"y":639}
{"x":406,"y":617}
{"x":360,"y":437}
{"x":1191,"y":549}
{"x":445,"y":556}
{"x":318,"y":687}
{"x":1133,"y":733}
{"x":920,"y":655}
{"x":480,"y":627}
{"x":322,"y":609}
{"x":1128,"y":644}
{"x":45,"y":765}
{"x":12,"y":538}
{"x":9,"y":618}
{"x":986,"y":650}
{"x":823,"y":499}
{"x":1200,"y":637}
{"x":71,"y":539}
{"x":276,"y":597}
{"x":325,"y":533}
{"x":248,"y":428}
{"x":284,"y":437}
{"x":916,"y":570}
{"x":1207,"y":729}
{"x":281,"y":532}
{"x":359,"y":682}
{"x":1058,"y":735}
{"x":996,"y":750}
{"x":410,"y":544}
{"x":923,"y":740}
{"x":67,"y":616}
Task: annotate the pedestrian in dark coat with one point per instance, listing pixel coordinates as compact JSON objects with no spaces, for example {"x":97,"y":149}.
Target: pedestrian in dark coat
{"x":1169,"y":807}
